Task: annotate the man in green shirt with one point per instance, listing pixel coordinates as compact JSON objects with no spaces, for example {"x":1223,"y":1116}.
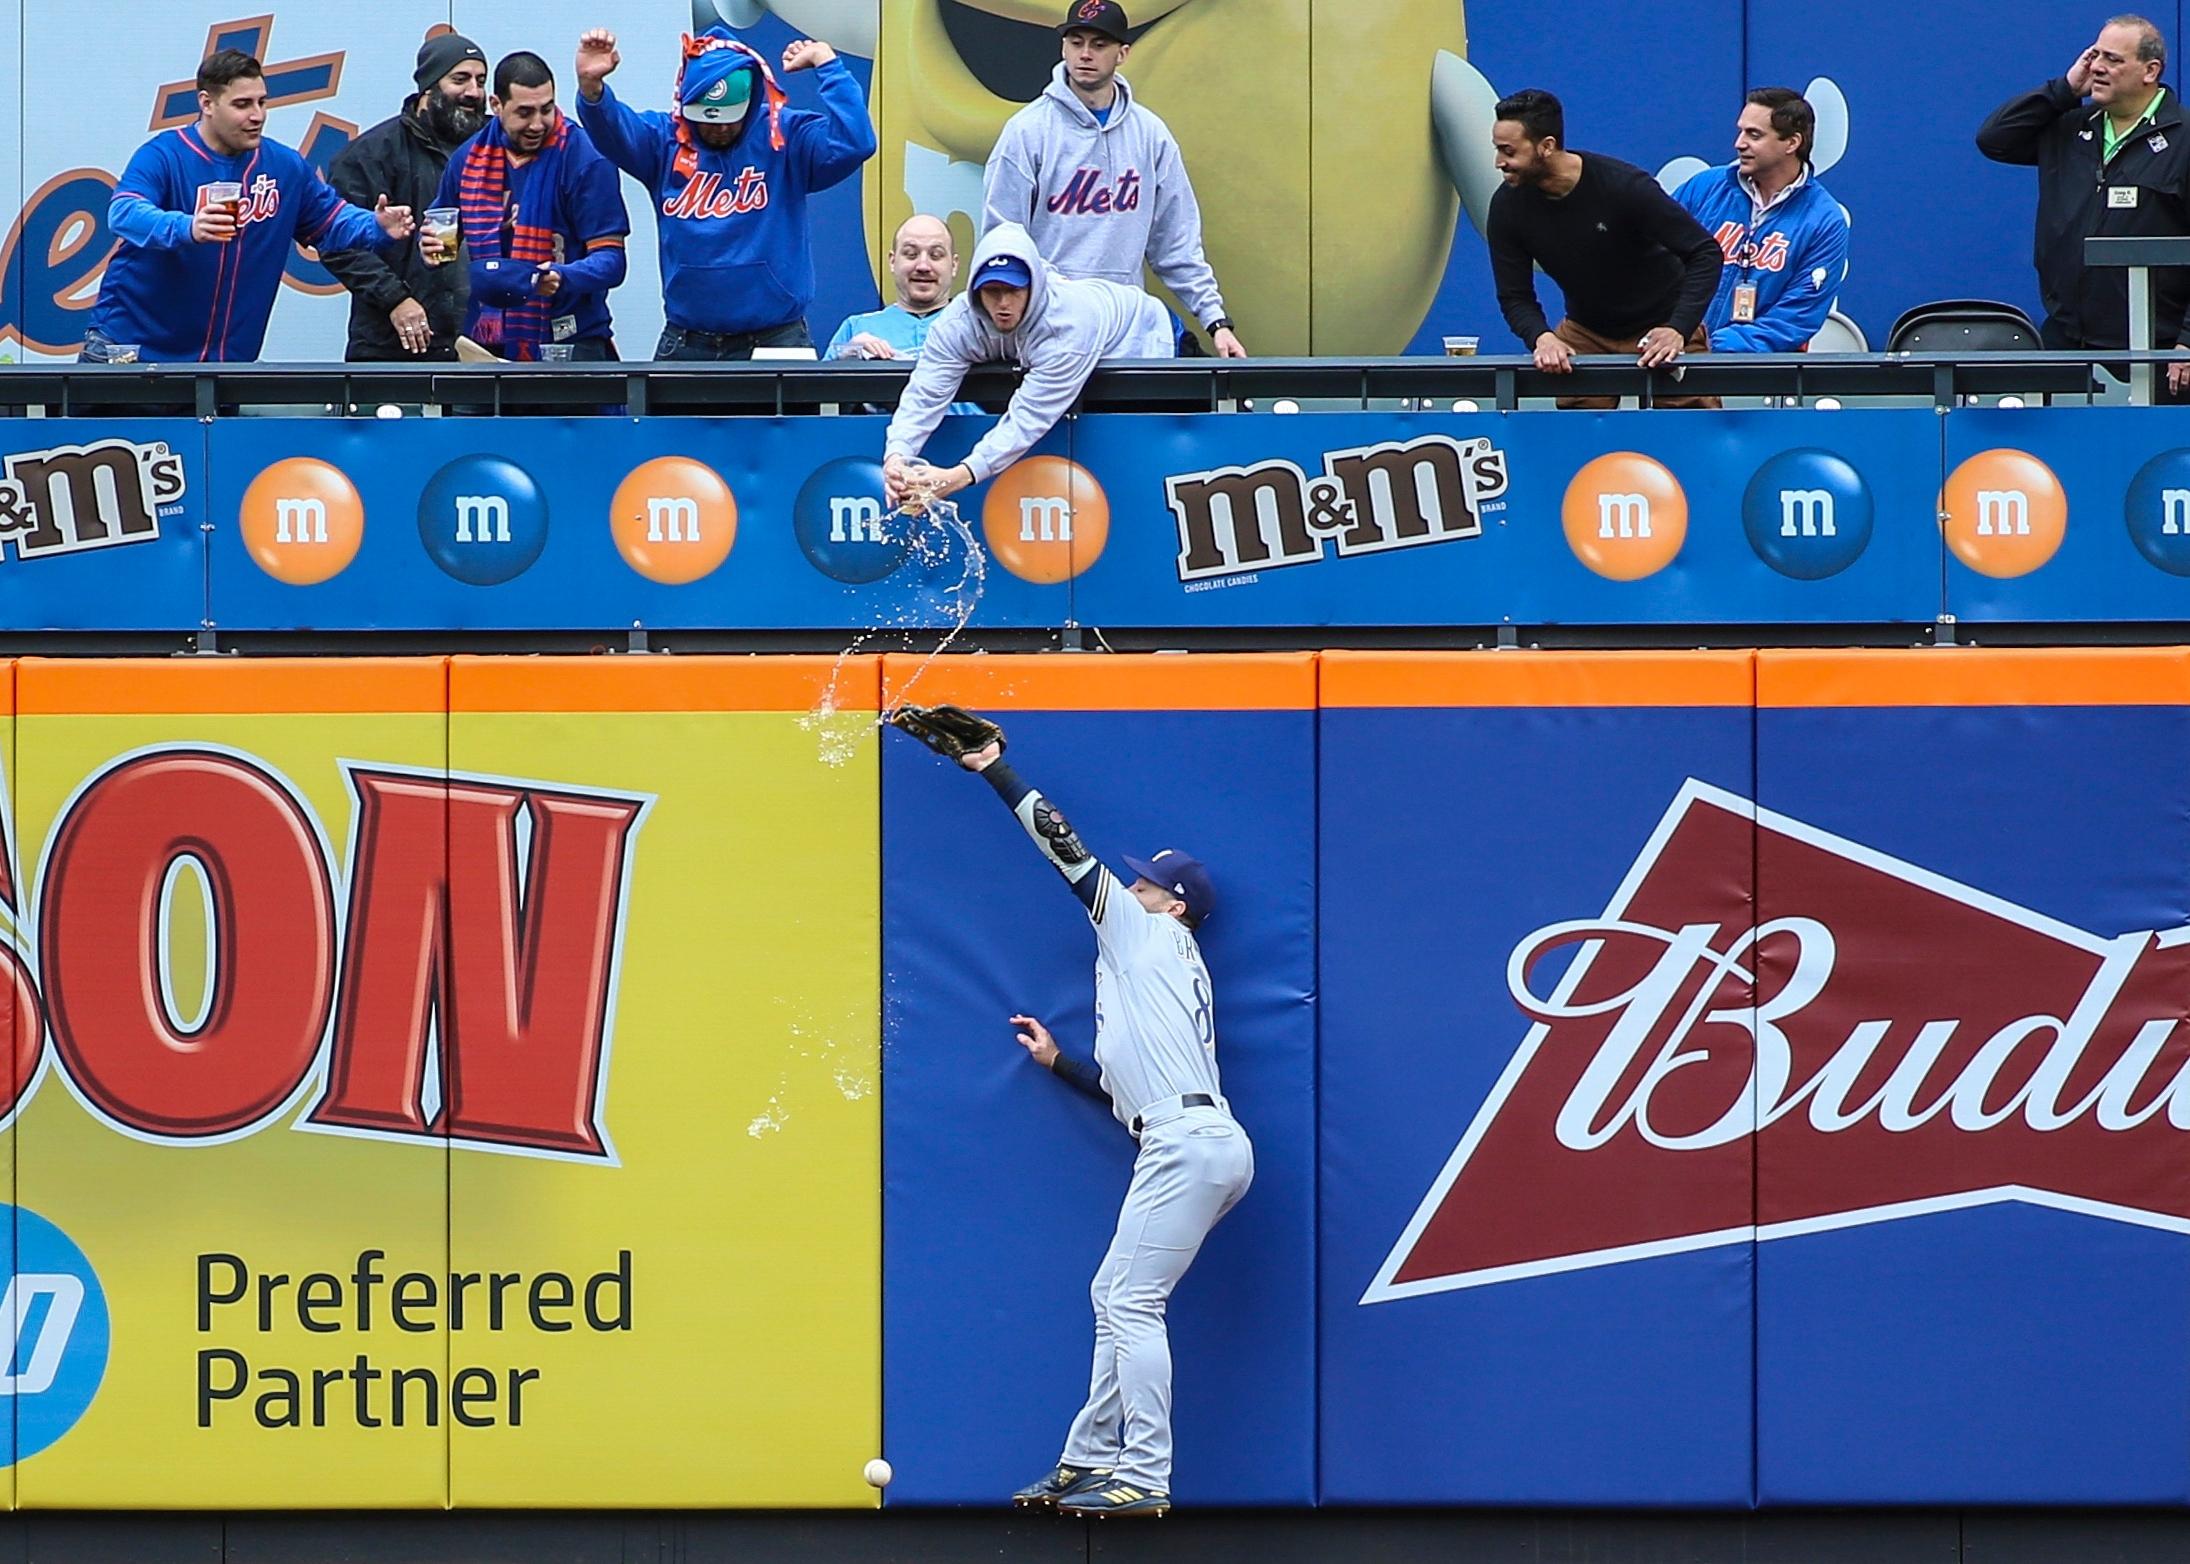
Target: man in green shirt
{"x":2117,"y":164}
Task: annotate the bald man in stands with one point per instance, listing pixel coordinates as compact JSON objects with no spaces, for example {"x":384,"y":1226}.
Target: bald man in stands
{"x":923,"y":265}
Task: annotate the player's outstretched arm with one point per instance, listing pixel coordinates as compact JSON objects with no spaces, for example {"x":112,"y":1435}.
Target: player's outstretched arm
{"x":978,"y":744}
{"x":1046,"y":824}
{"x":1080,"y":1074}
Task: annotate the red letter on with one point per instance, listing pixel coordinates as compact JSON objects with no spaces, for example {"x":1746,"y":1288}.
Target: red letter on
{"x":273,"y":943}
{"x":518,"y":974}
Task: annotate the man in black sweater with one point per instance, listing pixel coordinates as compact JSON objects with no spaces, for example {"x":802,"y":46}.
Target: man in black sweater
{"x":401,"y":308}
{"x":1637,"y":271}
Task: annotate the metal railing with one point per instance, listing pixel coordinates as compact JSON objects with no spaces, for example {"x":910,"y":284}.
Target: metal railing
{"x":1170,"y":385}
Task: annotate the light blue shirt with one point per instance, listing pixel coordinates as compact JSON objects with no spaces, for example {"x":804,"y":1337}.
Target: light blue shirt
{"x":900,"y":328}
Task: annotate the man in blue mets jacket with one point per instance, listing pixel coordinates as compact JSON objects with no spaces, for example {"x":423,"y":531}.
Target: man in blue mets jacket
{"x":730,"y":175}
{"x":207,"y":216}
{"x":1784,"y":237}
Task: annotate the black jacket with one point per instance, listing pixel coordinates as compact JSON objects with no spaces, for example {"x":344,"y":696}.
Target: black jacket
{"x":400,"y":159}
{"x":2060,"y":133}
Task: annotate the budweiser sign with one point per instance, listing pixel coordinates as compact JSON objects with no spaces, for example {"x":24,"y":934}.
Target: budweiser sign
{"x":1772,"y":1030}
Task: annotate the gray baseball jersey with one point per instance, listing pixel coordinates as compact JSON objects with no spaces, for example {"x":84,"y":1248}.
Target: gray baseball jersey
{"x":1155,"y":1018}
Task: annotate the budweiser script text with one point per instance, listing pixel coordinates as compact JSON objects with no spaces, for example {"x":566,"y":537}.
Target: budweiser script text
{"x":1773,"y":1030}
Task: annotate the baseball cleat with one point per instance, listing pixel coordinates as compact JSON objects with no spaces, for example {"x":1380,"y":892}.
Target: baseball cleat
{"x":1102,"y":1500}
{"x":1045,"y":1493}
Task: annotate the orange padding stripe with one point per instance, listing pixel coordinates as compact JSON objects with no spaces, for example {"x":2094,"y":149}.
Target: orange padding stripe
{"x":755,"y":683}
{"x":1970,"y":676}
{"x":127,"y":686}
{"x":1070,"y":681}
{"x":1538,"y":678}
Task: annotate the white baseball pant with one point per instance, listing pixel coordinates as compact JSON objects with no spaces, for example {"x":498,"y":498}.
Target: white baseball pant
{"x":1191,"y":1170}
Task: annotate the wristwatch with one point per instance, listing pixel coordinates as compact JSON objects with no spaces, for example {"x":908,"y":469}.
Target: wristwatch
{"x":1221,"y":323}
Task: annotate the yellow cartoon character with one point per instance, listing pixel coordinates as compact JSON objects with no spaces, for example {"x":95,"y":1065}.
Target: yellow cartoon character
{"x":1331,"y":142}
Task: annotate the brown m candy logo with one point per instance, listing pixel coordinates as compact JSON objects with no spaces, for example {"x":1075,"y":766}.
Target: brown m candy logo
{"x":1380,"y":497}
{"x":76,"y":497}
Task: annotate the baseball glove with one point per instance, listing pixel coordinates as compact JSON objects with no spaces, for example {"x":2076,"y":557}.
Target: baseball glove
{"x":951,"y":731}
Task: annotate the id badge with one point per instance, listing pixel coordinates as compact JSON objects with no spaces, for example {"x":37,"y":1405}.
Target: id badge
{"x":2121,"y":195}
{"x":563,"y":327}
{"x":1745,"y":302}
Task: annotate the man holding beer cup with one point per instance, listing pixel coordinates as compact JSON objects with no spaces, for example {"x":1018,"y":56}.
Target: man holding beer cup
{"x":407,"y":306}
{"x":207,"y":216}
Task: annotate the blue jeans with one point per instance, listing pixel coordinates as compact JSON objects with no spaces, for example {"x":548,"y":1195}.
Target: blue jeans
{"x":679,"y":345}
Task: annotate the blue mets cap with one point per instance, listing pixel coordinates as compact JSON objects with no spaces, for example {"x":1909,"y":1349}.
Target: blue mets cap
{"x":1006,"y":269}
{"x":1183,"y":876}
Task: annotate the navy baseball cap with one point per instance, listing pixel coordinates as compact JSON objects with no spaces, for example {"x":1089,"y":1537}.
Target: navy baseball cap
{"x":1096,"y":16}
{"x":1183,"y":876}
{"x":1006,"y":269}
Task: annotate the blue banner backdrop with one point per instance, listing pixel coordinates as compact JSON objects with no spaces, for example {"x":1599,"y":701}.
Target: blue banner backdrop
{"x":1993,"y":1340}
{"x":586,"y":524}
{"x":1167,"y":521}
{"x":1482,"y":1343}
{"x":1517,"y":518}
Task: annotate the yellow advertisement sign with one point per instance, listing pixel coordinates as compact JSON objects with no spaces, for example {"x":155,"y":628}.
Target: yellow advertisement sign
{"x":459,"y":1083}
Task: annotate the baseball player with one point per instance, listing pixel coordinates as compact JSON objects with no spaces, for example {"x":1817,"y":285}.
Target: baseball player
{"x":1098,"y":180}
{"x":1155,"y":1045}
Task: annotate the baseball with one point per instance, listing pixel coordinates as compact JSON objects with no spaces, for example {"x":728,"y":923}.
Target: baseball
{"x":878,"y":1473}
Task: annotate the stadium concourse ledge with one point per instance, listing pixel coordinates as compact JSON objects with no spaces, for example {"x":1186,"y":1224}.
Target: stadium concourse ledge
{"x":1202,"y":1537}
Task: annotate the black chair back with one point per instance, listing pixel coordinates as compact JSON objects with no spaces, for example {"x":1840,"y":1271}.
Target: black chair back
{"x":1963,"y":326}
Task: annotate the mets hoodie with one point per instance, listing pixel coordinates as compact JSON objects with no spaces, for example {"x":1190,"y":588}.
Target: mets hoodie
{"x":1795,"y":256}
{"x":186,"y":302}
{"x":1069,"y":327}
{"x":736,"y":248}
{"x":1101,"y":197}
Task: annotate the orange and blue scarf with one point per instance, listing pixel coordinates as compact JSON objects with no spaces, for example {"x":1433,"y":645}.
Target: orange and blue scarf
{"x":483,"y":195}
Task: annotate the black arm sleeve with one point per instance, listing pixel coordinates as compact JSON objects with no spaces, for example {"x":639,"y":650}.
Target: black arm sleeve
{"x":1051,"y":831}
{"x":1674,"y":226}
{"x":1513,"y":272}
{"x":361,"y":271}
{"x":1080,"y":1074}
{"x":2016,"y":130}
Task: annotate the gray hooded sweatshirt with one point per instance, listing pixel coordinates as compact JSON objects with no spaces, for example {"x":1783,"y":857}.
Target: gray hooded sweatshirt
{"x":1102,"y":199}
{"x":1070,"y":326}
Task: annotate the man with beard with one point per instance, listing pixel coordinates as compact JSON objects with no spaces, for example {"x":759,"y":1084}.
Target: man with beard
{"x":404,"y":308}
{"x":543,"y":223}
{"x":730,"y":175}
{"x":207,"y":217}
{"x":1636,"y":270}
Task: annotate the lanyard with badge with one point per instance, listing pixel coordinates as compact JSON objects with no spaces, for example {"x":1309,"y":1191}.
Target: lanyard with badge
{"x":1744,"y":301}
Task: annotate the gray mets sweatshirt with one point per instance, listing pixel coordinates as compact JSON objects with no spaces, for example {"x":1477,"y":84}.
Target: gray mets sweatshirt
{"x":1069,"y":327}
{"x":1102,"y":198}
